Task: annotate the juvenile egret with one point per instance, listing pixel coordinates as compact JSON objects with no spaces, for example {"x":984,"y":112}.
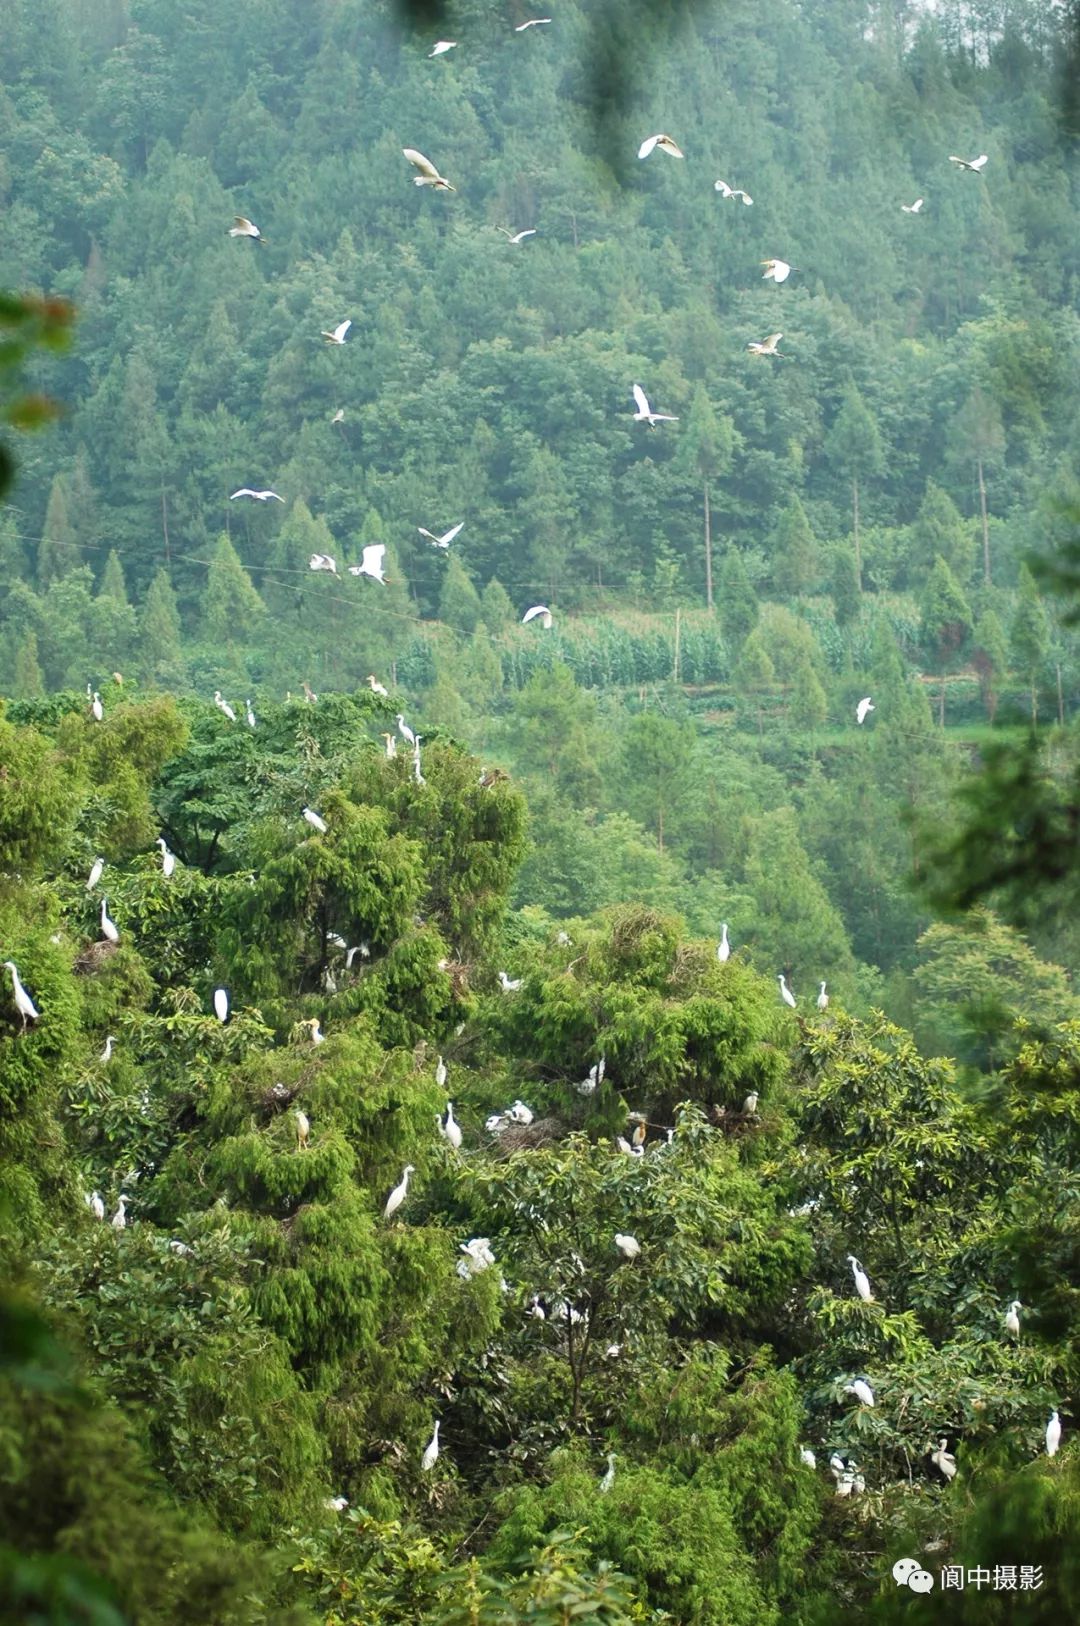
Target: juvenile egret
{"x":496,"y":1123}
{"x":168,"y":860}
{"x":106,"y":1054}
{"x":509,"y":985}
{"x":96,"y":1205}
{"x":533,"y":22}
{"x":1053,"y":1434}
{"x":447,"y":537}
{"x":221,"y":1004}
{"x":624,"y":1145}
{"x":637,"y":1137}
{"x":371,"y":563}
{"x":974,"y":164}
{"x":260,"y":496}
{"x":767,"y":347}
{"x":119,"y":1219}
{"x":538,"y":610}
{"x":303,"y":1130}
{"x":245,"y":228}
{"x":429,"y":175}
{"x":665,"y":144}
{"x":723,"y":948}
{"x":517,"y":236}
{"x":97,"y":710}
{"x":837,"y":1465}
{"x":612,"y":1352}
{"x":808,"y":1457}
{"x":862,"y":1280}
{"x":478,"y":1256}
{"x":375,"y":686}
{"x":592,"y":1078}
{"x":563,"y":939}
{"x":944,"y":1461}
{"x":431,"y":1454}
{"x":1012,"y":1318}
{"x":397,"y":1196}
{"x":95,"y":874}
{"x":727,"y":191}
{"x":912,"y":208}
{"x":23,"y":1003}
{"x":861,"y":1390}
{"x":317,"y":1035}
{"x":609,"y":1478}
{"x":628,"y":1246}
{"x":823,"y":999}
{"x":391,"y":745}
{"x":519,"y":1113}
{"x":323,"y":561}
{"x":865,"y":705}
{"x":450,"y":1127}
{"x":440,"y":1073}
{"x":249,"y":714}
{"x":404,"y":730}
{"x":441,"y":47}
{"x":337,"y":334}
{"x":776,"y":270}
{"x":337,"y":1504}
{"x":785,"y":992}
{"x":645,"y":413}
{"x":749,"y":1106}
{"x":315,"y":821}
{"x":224,"y":707}
{"x":108,"y":926}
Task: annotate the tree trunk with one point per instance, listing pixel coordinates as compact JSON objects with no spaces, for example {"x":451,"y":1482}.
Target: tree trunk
{"x":678,"y":640}
{"x":708,"y":551}
{"x":1061,"y":697}
{"x":165,"y":527}
{"x":941,"y":703}
{"x":985,"y":524}
{"x":660,"y":827}
{"x":855,"y":530}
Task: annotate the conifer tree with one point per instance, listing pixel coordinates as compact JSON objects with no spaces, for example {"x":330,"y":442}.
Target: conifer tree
{"x":459,"y":602}
{"x":159,"y":625}
{"x":945,"y":623}
{"x":990,"y":657}
{"x":57,"y":551}
{"x":496,"y":607}
{"x":29,"y":683}
{"x":854,"y":444}
{"x":793,"y":551}
{"x":939,"y":530}
{"x":232,"y":610}
{"x":1029,"y":635}
{"x":112,"y":584}
{"x":738,"y":601}
{"x":754,"y":672}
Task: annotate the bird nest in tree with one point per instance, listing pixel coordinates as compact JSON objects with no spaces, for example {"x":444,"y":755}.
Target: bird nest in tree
{"x":733,"y":1120}
{"x":690,"y":961}
{"x":95,"y":958}
{"x":278,"y":1097}
{"x":527,"y":1137}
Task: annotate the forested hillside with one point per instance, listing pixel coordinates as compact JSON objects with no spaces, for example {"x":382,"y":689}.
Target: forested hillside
{"x":556,"y":1167}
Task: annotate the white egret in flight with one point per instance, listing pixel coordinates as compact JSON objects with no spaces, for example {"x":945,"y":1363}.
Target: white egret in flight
{"x":323,"y":561}
{"x":260,"y":496}
{"x":1053,"y":1434}
{"x":537,"y":610}
{"x":431,"y":1453}
{"x":1012,"y":1318}
{"x":447,"y":537}
{"x":224,"y":707}
{"x":517,"y":236}
{"x":429,"y":175}
{"x":785,"y":992}
{"x":912,"y":208}
{"x":108,"y":926}
{"x":315,"y":821}
{"x":246,"y":228}
{"x":375,"y":686}
{"x":168,"y":859}
{"x":95,"y":874}
{"x":865,"y":706}
{"x":221,"y":1004}
{"x":441,"y":47}
{"x":628,"y":1246}
{"x":23,"y":1003}
{"x":509,"y":985}
{"x":862,"y":1280}
{"x":861,"y":1390}
{"x":533,"y":22}
{"x":974,"y":164}
{"x":823,"y":999}
{"x":645,"y":413}
{"x":371,"y":562}
{"x":777,"y":270}
{"x":665,"y":144}
{"x":397,"y":1196}
{"x":337,"y":334}
{"x":766,"y":347}
{"x":727,"y":191}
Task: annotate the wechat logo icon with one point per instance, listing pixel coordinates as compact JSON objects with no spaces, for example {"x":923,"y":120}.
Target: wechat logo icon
{"x":910,"y":1573}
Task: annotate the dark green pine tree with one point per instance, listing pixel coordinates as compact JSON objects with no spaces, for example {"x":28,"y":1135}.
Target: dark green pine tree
{"x":990,"y":658}
{"x":232,"y":610}
{"x":159,"y":628}
{"x":939,"y":530}
{"x":793,"y":551}
{"x":29,"y":683}
{"x":57,"y":550}
{"x":854,"y":445}
{"x":1029,"y":635}
{"x":945,"y":624}
{"x":459,"y":602}
{"x":738,"y":601}
{"x":496,"y":607}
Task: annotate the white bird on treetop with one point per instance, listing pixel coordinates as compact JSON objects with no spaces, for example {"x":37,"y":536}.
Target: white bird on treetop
{"x":974,"y":164}
{"x":538,"y":610}
{"x":337,"y":334}
{"x":1053,"y":1434}
{"x":777,"y":270}
{"x":317,"y":1035}
{"x":260,"y":496}
{"x":447,"y":537}
{"x":861,"y":1390}
{"x":108,"y":926}
{"x":943,"y":1460}
{"x":391,"y":745}
{"x":303,"y":1130}
{"x":431,"y":1454}
{"x":440,"y":1073}
{"x":517,"y":236}
{"x":119,"y":1219}
{"x":509,"y":985}
{"x":865,"y":706}
{"x":95,"y":874}
{"x":249,"y":713}
{"x":624,"y":1145}
{"x":106,"y":1054}
{"x":315,"y":821}
{"x":323,"y":561}
{"x":727,"y":191}
{"x":519,"y":1113}
{"x":375,"y":686}
{"x":450,"y":1127}
{"x":246,"y":228}
{"x":749,"y":1106}
{"x":96,"y":708}
{"x":823,"y":999}
{"x":224,"y":707}
{"x":404,"y":730}
{"x":664,"y":142}
{"x":723,"y":948}
{"x":371,"y":562}
{"x":429,"y":175}
{"x":628,"y":1246}
{"x":912,"y":208}
{"x":1012,"y":1318}
{"x":23,"y":1003}
{"x":168,"y":859}
{"x":862,"y":1280}
{"x":397,"y":1196}
{"x":533,"y":22}
{"x":808,"y":1457}
{"x":609,"y":1478}
{"x":766,"y":347}
{"x":645,"y":413}
{"x":441,"y":47}
{"x":536,"y":1309}
{"x":785,"y":992}
{"x":96,"y":1205}
{"x":221,"y":1004}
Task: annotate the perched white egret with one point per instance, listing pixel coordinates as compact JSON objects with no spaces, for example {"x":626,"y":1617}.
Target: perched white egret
{"x":441,"y":47}
{"x":404,"y":730}
{"x":1012,"y":1318}
{"x":244,"y":227}
{"x":417,"y":775}
{"x":249,"y":714}
{"x":628,"y":1246}
{"x":371,"y":563}
{"x":785,"y":992}
{"x":862,"y":1280}
{"x":450,"y":1128}
{"x":538,"y":610}
{"x":323,"y":561}
{"x":536,"y":1309}
{"x":431,"y":1454}
{"x":260,"y":496}
{"x":612,"y":1352}
{"x":391,"y":745}
{"x":849,"y":1483}
{"x":665,"y":144}
{"x":912,"y":208}
{"x":317,"y":1034}
{"x":315,"y":821}
{"x":95,"y":1203}
{"x":337,"y":334}
{"x":1053,"y":1434}
{"x":766,"y":347}
{"x":303,"y":1130}
{"x":517,"y":236}
{"x":496,"y":1123}
{"x":168,"y":859}
{"x":808,"y":1457}
{"x":519,"y":1113}
{"x":440,"y":1073}
{"x":943,"y":1460}
{"x":637,"y":1137}
{"x":592,"y":1078}
{"x":727,"y":191}
{"x":447,"y":537}
{"x":776,"y":270}
{"x":533,"y":22}
{"x":509,"y":985}
{"x":723,"y":948}
{"x":375,"y":686}
{"x":108,"y":927}
{"x":337,"y":1504}
{"x":478,"y":1256}
{"x":224,"y":707}
{"x":397,"y":1196}
{"x":609,"y":1478}
{"x":865,"y":706}
{"x":221,"y":1004}
{"x":563,"y":939}
{"x":975,"y":165}
{"x":645,"y":413}
{"x":861,"y":1390}
{"x":97,"y":710}
{"x":95,"y":874}
{"x":429,"y":175}
{"x":106,"y":1054}
{"x":364,"y":951}
{"x":749,"y":1106}
{"x":119,"y":1219}
{"x":624,"y":1145}
{"x":23,"y":1003}
{"x":823,"y":999}
{"x":837,"y":1465}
